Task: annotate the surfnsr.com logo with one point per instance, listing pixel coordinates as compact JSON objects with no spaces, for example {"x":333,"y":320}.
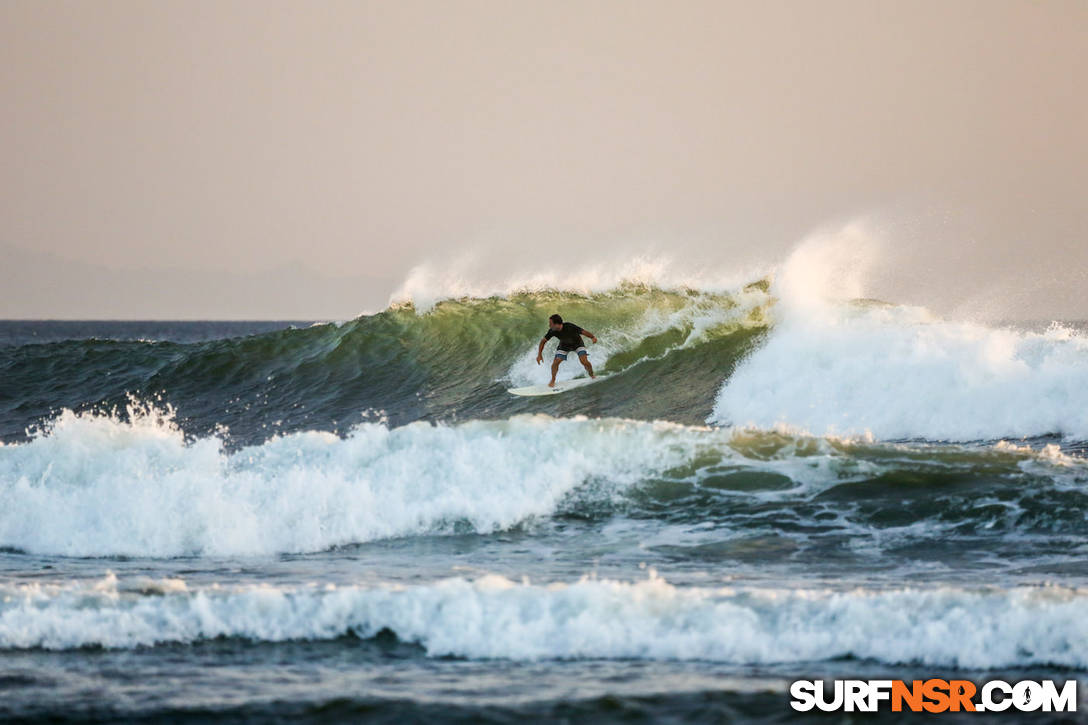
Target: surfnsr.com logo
{"x":934,"y":695}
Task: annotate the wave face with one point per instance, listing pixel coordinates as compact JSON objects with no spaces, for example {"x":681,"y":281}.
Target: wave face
{"x":454,"y":360}
{"x":91,"y":485}
{"x":764,"y":355}
{"x":492,"y":617}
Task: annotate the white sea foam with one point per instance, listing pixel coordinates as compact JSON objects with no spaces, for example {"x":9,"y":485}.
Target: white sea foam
{"x":898,"y":373}
{"x":492,"y":617}
{"x":94,"y":485}
{"x":835,"y":367}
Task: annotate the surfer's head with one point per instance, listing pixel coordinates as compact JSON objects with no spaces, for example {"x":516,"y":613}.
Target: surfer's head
{"x":555,"y":322}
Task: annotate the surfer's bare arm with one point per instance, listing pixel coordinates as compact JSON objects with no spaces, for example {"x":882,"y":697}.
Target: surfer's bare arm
{"x":540,"y":350}
{"x":589,"y":334}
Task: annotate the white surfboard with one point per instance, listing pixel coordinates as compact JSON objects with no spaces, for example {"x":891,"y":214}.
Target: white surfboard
{"x":561,"y":386}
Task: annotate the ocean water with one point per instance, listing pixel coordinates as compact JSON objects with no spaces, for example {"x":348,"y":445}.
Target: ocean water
{"x":345,"y":521}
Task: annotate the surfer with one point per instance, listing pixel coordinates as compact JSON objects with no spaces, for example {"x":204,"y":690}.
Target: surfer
{"x":570,"y":340}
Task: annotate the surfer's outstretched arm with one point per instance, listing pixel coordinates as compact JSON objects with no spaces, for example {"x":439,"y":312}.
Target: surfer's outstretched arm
{"x":589,"y":334}
{"x":540,"y":350}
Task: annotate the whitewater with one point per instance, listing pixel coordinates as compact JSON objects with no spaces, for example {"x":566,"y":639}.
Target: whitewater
{"x":781,"y":476}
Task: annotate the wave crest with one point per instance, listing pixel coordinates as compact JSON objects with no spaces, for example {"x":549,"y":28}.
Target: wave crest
{"x":492,"y":617}
{"x":90,"y":485}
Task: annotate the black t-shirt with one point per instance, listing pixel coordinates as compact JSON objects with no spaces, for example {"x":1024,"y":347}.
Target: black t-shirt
{"x":570,"y":337}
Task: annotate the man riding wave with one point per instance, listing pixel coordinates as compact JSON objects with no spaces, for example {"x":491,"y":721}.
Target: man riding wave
{"x":570,"y":340}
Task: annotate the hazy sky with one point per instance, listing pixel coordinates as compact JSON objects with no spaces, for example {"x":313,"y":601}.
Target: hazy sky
{"x":297,"y":159}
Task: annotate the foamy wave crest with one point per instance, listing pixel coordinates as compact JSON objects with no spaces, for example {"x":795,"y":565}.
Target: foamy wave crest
{"x":838,"y":365}
{"x":428,"y":284}
{"x":900,"y":373}
{"x":93,"y":485}
{"x":492,"y":617}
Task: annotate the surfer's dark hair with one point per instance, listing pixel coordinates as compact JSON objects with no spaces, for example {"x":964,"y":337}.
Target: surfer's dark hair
{"x":556,"y":319}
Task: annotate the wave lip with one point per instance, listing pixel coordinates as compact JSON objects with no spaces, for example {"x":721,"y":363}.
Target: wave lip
{"x":492,"y":617}
{"x":427,"y":285}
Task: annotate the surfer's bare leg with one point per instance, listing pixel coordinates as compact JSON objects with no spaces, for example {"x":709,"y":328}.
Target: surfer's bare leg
{"x":584,"y":359}
{"x":555,"y":369}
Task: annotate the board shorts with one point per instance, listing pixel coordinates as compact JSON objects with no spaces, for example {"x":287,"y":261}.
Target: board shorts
{"x":562,"y":354}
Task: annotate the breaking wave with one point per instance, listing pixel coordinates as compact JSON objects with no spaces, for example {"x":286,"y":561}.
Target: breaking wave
{"x":492,"y":617}
{"x":91,"y":485}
